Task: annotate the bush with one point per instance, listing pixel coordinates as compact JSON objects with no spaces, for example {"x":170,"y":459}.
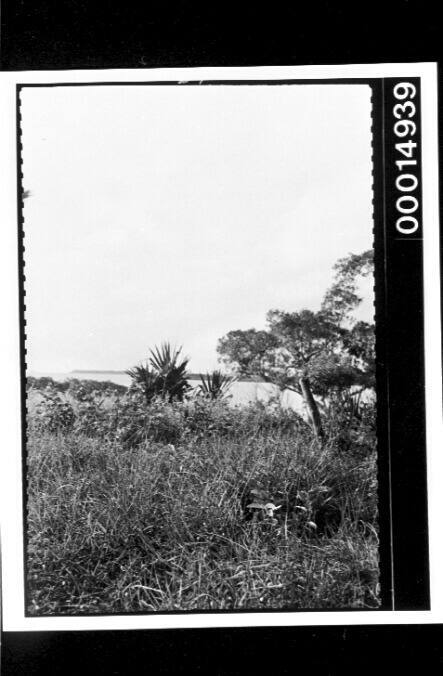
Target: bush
{"x":350,"y":427}
{"x":104,"y":387}
{"x":81,"y":409}
{"x":53,"y":413}
{"x":350,"y":424}
{"x":63,"y":386}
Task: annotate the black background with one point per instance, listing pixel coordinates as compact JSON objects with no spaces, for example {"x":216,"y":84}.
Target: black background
{"x":402,"y":348}
{"x":61,"y":34}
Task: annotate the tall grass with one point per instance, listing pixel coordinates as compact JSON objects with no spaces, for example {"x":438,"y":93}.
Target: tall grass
{"x":156,"y":526}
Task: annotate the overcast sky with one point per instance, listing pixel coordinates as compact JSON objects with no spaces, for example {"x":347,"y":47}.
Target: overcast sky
{"x":180,"y":213}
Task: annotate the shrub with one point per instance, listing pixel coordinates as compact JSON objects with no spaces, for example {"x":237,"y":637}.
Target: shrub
{"x":53,"y":413}
{"x":130,"y":419}
{"x":90,"y":412}
{"x":350,"y":424}
{"x":103,"y":387}
{"x":71,"y":384}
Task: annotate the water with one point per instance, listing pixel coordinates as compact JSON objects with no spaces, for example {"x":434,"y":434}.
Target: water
{"x":242,"y":392}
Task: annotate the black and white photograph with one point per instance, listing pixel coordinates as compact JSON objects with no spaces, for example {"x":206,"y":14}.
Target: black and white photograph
{"x":200,"y":348}
{"x":208,"y":315}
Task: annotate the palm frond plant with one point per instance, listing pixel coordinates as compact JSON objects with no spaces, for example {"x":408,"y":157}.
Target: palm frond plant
{"x":215,"y":385}
{"x":164,"y":375}
{"x":171,"y":370}
{"x":144,"y":379}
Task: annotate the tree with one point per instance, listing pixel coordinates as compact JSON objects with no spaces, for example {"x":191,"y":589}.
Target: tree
{"x":341,"y":298}
{"x":325,"y":351}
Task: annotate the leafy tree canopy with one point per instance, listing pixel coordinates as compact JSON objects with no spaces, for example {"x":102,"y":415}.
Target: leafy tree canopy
{"x":329,"y":347}
{"x":341,"y":298}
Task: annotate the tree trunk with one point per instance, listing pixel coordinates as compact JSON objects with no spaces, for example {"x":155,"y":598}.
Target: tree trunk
{"x":312,"y":407}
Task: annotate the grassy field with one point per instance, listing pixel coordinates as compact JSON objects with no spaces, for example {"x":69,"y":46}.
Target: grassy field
{"x":230,"y":509}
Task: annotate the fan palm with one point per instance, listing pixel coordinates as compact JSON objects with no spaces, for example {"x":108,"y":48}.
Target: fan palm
{"x":164,"y":375}
{"x":215,"y":385}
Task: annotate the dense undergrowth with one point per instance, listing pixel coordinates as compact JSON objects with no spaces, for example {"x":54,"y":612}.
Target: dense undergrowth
{"x":196,"y":505}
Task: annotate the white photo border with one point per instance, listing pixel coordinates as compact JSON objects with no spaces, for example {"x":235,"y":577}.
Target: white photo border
{"x":14,"y":618}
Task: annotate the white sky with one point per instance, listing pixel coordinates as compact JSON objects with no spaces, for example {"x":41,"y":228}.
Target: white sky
{"x":180,"y":213}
